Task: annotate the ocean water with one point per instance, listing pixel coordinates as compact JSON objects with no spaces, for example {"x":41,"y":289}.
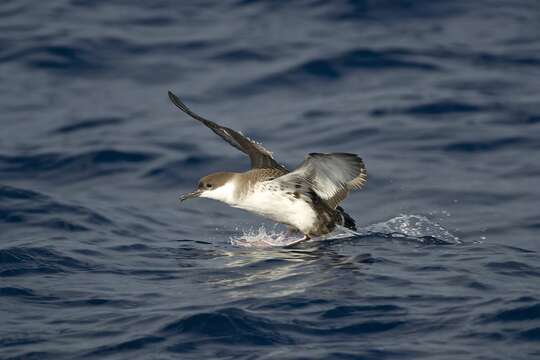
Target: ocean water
{"x":99,"y":260}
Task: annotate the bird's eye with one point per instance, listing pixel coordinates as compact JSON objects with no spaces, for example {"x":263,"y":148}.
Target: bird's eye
{"x":208,"y":186}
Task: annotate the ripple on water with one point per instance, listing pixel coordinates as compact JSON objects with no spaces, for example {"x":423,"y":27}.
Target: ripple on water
{"x":514,"y":268}
{"x":441,"y":107}
{"x":88,"y":124}
{"x":16,"y":261}
{"x":127,"y":346}
{"x":230,"y":325}
{"x":64,"y":168}
{"x":521,"y":313}
{"x":363,"y":310}
{"x":326,"y":69}
{"x":34,"y":209}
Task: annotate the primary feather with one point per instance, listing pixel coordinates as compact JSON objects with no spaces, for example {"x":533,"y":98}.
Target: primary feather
{"x":259,"y":156}
{"x":331,"y":176}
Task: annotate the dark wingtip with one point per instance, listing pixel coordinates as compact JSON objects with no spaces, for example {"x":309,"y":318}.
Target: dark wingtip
{"x":179,"y":104}
{"x":173,"y":97}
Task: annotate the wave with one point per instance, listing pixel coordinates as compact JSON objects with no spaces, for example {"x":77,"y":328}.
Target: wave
{"x":237,"y":326}
{"x":230,"y":325}
{"x":72,"y":167}
{"x":440,"y":107}
{"x":478,"y":146}
{"x":17,"y":261}
{"x":522,"y":313}
{"x":325,"y":69}
{"x":87,"y":124}
{"x":36,"y":210}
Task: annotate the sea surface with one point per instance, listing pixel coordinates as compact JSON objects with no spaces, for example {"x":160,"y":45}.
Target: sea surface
{"x":99,"y":260}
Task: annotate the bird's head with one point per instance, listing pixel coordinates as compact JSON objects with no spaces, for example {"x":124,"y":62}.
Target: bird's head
{"x":218,"y":186}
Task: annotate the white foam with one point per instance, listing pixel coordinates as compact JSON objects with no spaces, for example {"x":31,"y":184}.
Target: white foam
{"x":263,"y":238}
{"x":266,"y":238}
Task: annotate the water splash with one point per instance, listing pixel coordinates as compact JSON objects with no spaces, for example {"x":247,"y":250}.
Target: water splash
{"x":263,"y":238}
{"x":413,"y":227}
{"x":416,"y":228}
{"x":266,"y":238}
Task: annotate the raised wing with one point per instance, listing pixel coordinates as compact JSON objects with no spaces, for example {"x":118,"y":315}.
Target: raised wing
{"x":259,"y":156}
{"x":331,"y":176}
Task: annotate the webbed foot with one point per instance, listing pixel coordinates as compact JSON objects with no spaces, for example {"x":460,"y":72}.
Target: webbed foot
{"x":305,"y":238}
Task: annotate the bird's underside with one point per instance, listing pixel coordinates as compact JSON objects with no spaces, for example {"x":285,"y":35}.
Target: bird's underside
{"x":305,"y":199}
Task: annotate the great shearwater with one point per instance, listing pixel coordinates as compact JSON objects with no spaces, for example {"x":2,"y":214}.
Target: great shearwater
{"x":306,"y":199}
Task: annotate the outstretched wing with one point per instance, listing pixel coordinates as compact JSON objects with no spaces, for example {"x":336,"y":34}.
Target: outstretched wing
{"x":259,"y":156}
{"x":331,"y":176}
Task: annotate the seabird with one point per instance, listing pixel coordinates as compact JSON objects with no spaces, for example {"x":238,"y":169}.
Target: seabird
{"x":306,"y":199}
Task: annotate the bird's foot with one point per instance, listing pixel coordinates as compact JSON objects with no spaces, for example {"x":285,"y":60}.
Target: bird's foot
{"x":305,"y":238}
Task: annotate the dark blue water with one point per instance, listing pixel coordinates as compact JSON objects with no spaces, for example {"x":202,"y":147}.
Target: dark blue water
{"x":98,"y":260}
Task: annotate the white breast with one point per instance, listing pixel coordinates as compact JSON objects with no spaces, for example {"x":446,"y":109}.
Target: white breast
{"x":279,"y":206}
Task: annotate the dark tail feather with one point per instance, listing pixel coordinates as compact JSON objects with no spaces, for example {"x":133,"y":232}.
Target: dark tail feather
{"x":347,"y":220}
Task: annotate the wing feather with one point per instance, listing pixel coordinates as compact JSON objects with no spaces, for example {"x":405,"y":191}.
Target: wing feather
{"x":331,"y":176}
{"x":259,"y":156}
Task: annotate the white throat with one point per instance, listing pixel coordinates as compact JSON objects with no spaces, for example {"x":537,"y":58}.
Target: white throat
{"x":225,"y":193}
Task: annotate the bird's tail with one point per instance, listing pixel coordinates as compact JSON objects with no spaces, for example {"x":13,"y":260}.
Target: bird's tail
{"x":346,"y":219}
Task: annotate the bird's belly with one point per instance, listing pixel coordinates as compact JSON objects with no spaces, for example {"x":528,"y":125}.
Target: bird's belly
{"x":281,"y":208}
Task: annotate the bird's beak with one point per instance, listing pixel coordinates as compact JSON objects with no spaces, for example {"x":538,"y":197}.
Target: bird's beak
{"x":191,"y":195}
